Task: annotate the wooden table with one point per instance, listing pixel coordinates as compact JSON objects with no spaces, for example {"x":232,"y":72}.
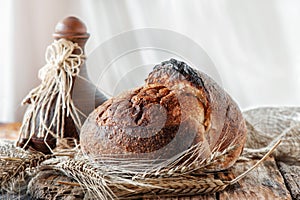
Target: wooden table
{"x":270,"y":180}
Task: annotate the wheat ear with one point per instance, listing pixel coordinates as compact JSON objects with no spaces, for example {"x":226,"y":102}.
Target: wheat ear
{"x":106,"y":183}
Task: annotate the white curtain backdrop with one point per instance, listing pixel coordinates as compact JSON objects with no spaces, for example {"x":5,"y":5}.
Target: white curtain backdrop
{"x":254,"y":44}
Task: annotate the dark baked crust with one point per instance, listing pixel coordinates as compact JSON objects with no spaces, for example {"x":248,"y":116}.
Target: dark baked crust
{"x":177,"y":107}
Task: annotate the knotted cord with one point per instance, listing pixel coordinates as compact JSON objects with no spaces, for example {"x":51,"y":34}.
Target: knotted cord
{"x":64,"y":59}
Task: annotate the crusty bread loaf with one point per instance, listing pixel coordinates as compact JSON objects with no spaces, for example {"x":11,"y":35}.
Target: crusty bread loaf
{"x":176,"y":108}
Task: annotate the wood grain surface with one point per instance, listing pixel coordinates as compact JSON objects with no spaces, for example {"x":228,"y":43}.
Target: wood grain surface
{"x":291,"y":174}
{"x":264,"y":182}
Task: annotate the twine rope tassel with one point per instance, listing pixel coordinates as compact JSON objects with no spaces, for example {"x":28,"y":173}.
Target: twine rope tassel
{"x":63,"y":59}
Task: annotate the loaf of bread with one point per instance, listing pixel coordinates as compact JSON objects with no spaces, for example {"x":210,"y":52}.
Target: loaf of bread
{"x":178,"y":107}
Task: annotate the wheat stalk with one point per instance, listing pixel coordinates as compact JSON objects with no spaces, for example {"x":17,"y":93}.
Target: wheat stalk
{"x":112,"y":183}
{"x":125,"y":186}
{"x":13,"y":169}
{"x":16,"y":165}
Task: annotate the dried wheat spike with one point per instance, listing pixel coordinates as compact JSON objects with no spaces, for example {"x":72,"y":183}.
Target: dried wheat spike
{"x":108,"y":182}
{"x":15,"y":164}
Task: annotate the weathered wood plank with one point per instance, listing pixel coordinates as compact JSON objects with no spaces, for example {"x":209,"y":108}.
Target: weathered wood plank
{"x":264,"y":182}
{"x":291,"y":175}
